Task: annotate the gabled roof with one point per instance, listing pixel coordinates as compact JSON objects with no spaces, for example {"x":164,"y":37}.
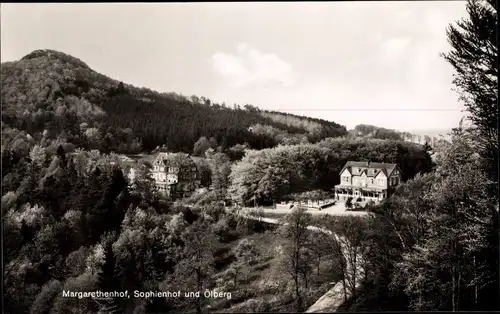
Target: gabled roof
{"x":371,"y":169}
{"x":348,"y":170}
{"x":174,"y":160}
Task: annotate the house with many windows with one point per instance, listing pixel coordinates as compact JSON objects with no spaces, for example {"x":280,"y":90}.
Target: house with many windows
{"x":368,"y":180}
{"x":175,"y":175}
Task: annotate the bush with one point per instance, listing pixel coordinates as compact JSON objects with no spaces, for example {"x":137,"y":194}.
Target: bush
{"x":370,"y":203}
{"x":215,"y":211}
{"x":222,"y":230}
{"x":226,"y":281}
{"x":348,"y":202}
{"x":358,"y":199}
{"x":357,"y":208}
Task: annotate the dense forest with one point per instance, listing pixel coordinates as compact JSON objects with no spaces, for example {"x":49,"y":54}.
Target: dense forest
{"x":51,"y":94}
{"x":267,"y":176}
{"x":72,"y":221}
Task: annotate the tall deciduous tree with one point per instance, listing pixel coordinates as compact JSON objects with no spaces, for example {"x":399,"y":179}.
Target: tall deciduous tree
{"x":201,"y":146}
{"x":294,"y":259}
{"x":451,"y":256}
{"x":220,"y":169}
{"x":144,"y":183}
{"x":474,"y":56}
{"x":196,"y":267}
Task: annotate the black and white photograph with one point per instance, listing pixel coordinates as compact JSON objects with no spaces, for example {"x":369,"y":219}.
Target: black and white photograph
{"x":249,"y":157}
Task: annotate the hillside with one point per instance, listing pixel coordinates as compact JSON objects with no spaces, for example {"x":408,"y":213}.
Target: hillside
{"x":437,"y":133}
{"x":52,"y":91}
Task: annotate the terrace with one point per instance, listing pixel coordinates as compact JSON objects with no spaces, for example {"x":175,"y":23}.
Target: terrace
{"x":342,"y":192}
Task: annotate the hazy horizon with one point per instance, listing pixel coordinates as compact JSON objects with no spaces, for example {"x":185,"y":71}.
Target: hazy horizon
{"x":353,"y":63}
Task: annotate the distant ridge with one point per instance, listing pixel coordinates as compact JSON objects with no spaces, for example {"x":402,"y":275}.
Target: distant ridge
{"x":100,"y":112}
{"x":432,"y":132}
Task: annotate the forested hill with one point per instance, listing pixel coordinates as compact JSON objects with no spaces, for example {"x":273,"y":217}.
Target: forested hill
{"x":54,"y":92}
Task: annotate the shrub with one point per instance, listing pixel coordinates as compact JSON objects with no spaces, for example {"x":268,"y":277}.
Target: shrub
{"x":348,"y":202}
{"x":370,"y":203}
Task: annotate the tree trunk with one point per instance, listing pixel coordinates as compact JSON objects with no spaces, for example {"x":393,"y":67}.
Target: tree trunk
{"x":419,"y":297}
{"x":353,"y":292}
{"x":475,"y":283}
{"x":342,"y":274}
{"x":296,"y":279}
{"x":198,"y":299}
{"x":235,"y":278}
{"x":458,"y":288}
{"x":453,"y":288}
{"x":342,"y":262}
{"x":365,"y":269}
{"x":304,"y":275}
{"x":297,"y":293}
{"x":319,"y":263}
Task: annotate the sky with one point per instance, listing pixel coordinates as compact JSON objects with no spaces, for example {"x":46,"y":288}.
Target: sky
{"x":353,"y":63}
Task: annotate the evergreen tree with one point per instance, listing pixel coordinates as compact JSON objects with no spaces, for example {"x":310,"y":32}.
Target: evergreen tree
{"x":474,"y":56}
{"x":109,"y":281}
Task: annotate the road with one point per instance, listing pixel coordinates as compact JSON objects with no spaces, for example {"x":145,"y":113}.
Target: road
{"x":333,"y":298}
{"x":335,"y":210}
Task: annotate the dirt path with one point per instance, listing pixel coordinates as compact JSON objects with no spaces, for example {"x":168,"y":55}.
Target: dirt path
{"x":330,"y":301}
{"x":336,"y":210}
{"x":334,"y":298}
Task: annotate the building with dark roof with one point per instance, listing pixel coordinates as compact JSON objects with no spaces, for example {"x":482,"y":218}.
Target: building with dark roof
{"x":175,"y":175}
{"x":367,"y":180}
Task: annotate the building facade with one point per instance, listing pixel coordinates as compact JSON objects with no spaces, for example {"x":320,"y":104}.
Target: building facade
{"x":367,"y":180}
{"x":175,"y":175}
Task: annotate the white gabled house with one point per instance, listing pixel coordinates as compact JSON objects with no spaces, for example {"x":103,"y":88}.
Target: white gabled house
{"x":368,"y":180}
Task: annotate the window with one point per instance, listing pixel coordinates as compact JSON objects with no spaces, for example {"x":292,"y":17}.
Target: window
{"x":371,"y":181}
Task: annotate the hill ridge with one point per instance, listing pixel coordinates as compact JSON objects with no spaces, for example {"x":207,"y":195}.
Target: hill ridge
{"x":46,"y":87}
